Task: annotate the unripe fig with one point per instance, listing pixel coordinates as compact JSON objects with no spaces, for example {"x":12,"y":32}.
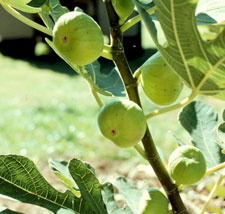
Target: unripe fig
{"x":159,"y":82}
{"x":123,"y":122}
{"x":187,"y":165}
{"x":153,"y":201}
{"x":123,"y":8}
{"x":78,"y":38}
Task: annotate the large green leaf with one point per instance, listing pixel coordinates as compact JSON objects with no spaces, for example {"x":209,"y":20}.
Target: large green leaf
{"x":130,"y":194}
{"x":89,"y":186}
{"x":200,"y":120}
{"x":20,"y":179}
{"x":199,"y":63}
{"x":22,"y":5}
{"x":108,"y":197}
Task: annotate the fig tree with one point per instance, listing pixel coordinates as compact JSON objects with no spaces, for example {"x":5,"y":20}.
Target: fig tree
{"x":153,"y":201}
{"x":123,"y":122}
{"x":123,"y":8}
{"x":187,"y":165}
{"x":78,"y":38}
{"x":161,"y":85}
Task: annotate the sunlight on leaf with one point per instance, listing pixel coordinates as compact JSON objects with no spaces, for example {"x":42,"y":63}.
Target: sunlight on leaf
{"x":130,"y":193}
{"x":89,"y":186}
{"x":60,"y":168}
{"x":108,"y":197}
{"x":200,"y":121}
{"x":22,"y":5}
{"x":211,"y":11}
{"x":21,"y":180}
{"x":4,"y":210}
{"x":36,"y":3}
{"x":199,"y":63}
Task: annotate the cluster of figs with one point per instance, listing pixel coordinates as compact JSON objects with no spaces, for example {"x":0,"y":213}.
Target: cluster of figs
{"x":79,"y":39}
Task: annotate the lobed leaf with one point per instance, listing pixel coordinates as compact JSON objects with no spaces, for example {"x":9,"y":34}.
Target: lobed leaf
{"x":108,"y":198}
{"x":130,"y":193}
{"x":200,"y":120}
{"x":89,"y":186}
{"x":20,"y":179}
{"x":199,"y":63}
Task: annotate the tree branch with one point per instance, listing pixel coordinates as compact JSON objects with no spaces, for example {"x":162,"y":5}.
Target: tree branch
{"x":130,"y":84}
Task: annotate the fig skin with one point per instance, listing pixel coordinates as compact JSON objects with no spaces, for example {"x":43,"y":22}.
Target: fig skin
{"x":123,"y":8}
{"x":187,"y":165}
{"x":161,"y":85}
{"x":153,"y":201}
{"x":78,"y":38}
{"x":123,"y":122}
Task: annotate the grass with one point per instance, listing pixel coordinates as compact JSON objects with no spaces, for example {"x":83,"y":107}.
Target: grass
{"x":45,"y":114}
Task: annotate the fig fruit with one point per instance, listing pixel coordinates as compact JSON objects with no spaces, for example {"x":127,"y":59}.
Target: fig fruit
{"x":123,"y":122}
{"x":153,"y":201}
{"x":123,"y":8}
{"x":78,"y":38}
{"x":161,"y":85}
{"x":187,"y":165}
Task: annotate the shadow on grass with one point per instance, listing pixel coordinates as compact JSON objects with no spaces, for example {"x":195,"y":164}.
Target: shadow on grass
{"x":56,"y":64}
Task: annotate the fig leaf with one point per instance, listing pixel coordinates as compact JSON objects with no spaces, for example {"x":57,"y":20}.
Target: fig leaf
{"x":199,"y":63}
{"x":200,"y":121}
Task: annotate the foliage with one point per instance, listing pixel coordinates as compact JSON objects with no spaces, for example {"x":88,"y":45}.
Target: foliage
{"x":198,"y":62}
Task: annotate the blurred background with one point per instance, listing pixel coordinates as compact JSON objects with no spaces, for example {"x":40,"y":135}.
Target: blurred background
{"x":46,"y":108}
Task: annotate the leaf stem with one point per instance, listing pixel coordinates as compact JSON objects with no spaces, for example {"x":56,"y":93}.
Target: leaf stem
{"x":137,"y":75}
{"x":107,"y":52}
{"x":140,"y":150}
{"x":215,"y":168}
{"x":135,"y":20}
{"x":184,"y":102}
{"x":212,"y":193}
{"x":130,"y":84}
{"x":25,"y":20}
{"x":95,"y":95}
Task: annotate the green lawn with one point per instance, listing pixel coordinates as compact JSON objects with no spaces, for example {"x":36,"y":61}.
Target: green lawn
{"x":50,"y":114}
{"x":45,"y":113}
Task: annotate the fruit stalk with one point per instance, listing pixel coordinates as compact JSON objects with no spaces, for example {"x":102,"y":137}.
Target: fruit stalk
{"x":212,"y":193}
{"x":130,"y":84}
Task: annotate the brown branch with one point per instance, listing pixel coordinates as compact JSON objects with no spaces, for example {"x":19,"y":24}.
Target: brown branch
{"x":130,"y":84}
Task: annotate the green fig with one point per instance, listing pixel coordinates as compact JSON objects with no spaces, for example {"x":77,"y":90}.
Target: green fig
{"x":153,"y":201}
{"x":123,"y":122}
{"x":123,"y":8}
{"x":78,"y":38}
{"x":187,"y":165}
{"x":161,"y":85}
